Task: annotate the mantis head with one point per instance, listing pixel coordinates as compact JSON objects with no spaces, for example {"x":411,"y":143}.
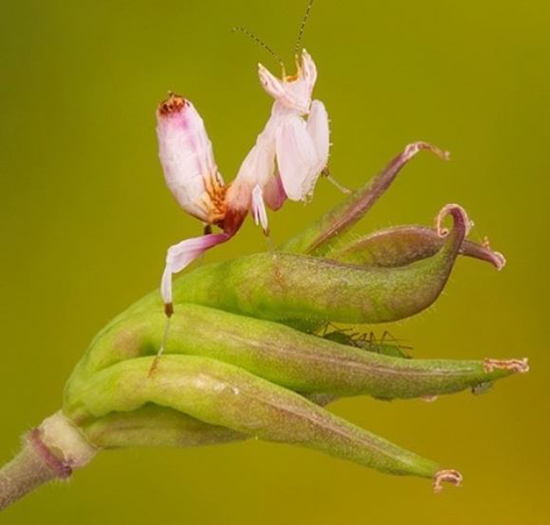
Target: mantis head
{"x":292,"y":92}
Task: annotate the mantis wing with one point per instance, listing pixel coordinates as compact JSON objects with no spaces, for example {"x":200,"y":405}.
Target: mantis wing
{"x":297,"y":159}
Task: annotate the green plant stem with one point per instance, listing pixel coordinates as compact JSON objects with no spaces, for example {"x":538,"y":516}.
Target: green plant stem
{"x":51,"y":451}
{"x":23,"y":474}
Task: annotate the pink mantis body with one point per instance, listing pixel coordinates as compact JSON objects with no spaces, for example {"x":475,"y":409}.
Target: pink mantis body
{"x":286,"y":161}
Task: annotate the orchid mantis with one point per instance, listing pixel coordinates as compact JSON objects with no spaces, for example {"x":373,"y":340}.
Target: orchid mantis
{"x":298,"y":148}
{"x":285,"y":162}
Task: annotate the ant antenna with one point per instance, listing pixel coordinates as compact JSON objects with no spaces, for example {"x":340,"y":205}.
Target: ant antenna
{"x":302,"y":27}
{"x":259,"y":42}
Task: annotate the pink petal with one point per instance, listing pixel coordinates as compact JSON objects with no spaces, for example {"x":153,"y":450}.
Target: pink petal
{"x":182,"y":254}
{"x":274,"y":193}
{"x":186,"y":155}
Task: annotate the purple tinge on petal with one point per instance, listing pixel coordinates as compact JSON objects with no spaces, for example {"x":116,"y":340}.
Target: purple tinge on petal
{"x":274,"y":193}
{"x":404,"y":245}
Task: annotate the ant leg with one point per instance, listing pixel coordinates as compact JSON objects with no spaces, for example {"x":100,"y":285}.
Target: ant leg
{"x":393,"y":340}
{"x":388,"y":335}
{"x":367,"y":341}
{"x":372,"y":342}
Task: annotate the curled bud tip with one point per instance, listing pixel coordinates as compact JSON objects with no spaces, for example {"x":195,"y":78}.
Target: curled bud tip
{"x":497,"y":258}
{"x":459,"y":215}
{"x":500,"y":260}
{"x":446,"y":476}
{"x":413,"y":148}
{"x":520,"y":366}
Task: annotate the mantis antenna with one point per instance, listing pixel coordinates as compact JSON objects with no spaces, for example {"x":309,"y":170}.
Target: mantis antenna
{"x":261,"y":43}
{"x":302,"y":27}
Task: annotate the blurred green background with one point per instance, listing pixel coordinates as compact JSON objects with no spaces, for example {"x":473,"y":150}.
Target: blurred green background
{"x":85,"y":220}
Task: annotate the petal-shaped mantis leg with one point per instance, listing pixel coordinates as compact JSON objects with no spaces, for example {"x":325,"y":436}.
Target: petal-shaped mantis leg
{"x":297,"y":158}
{"x":319,"y":130}
{"x":181,"y":255}
{"x":177,"y":258}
